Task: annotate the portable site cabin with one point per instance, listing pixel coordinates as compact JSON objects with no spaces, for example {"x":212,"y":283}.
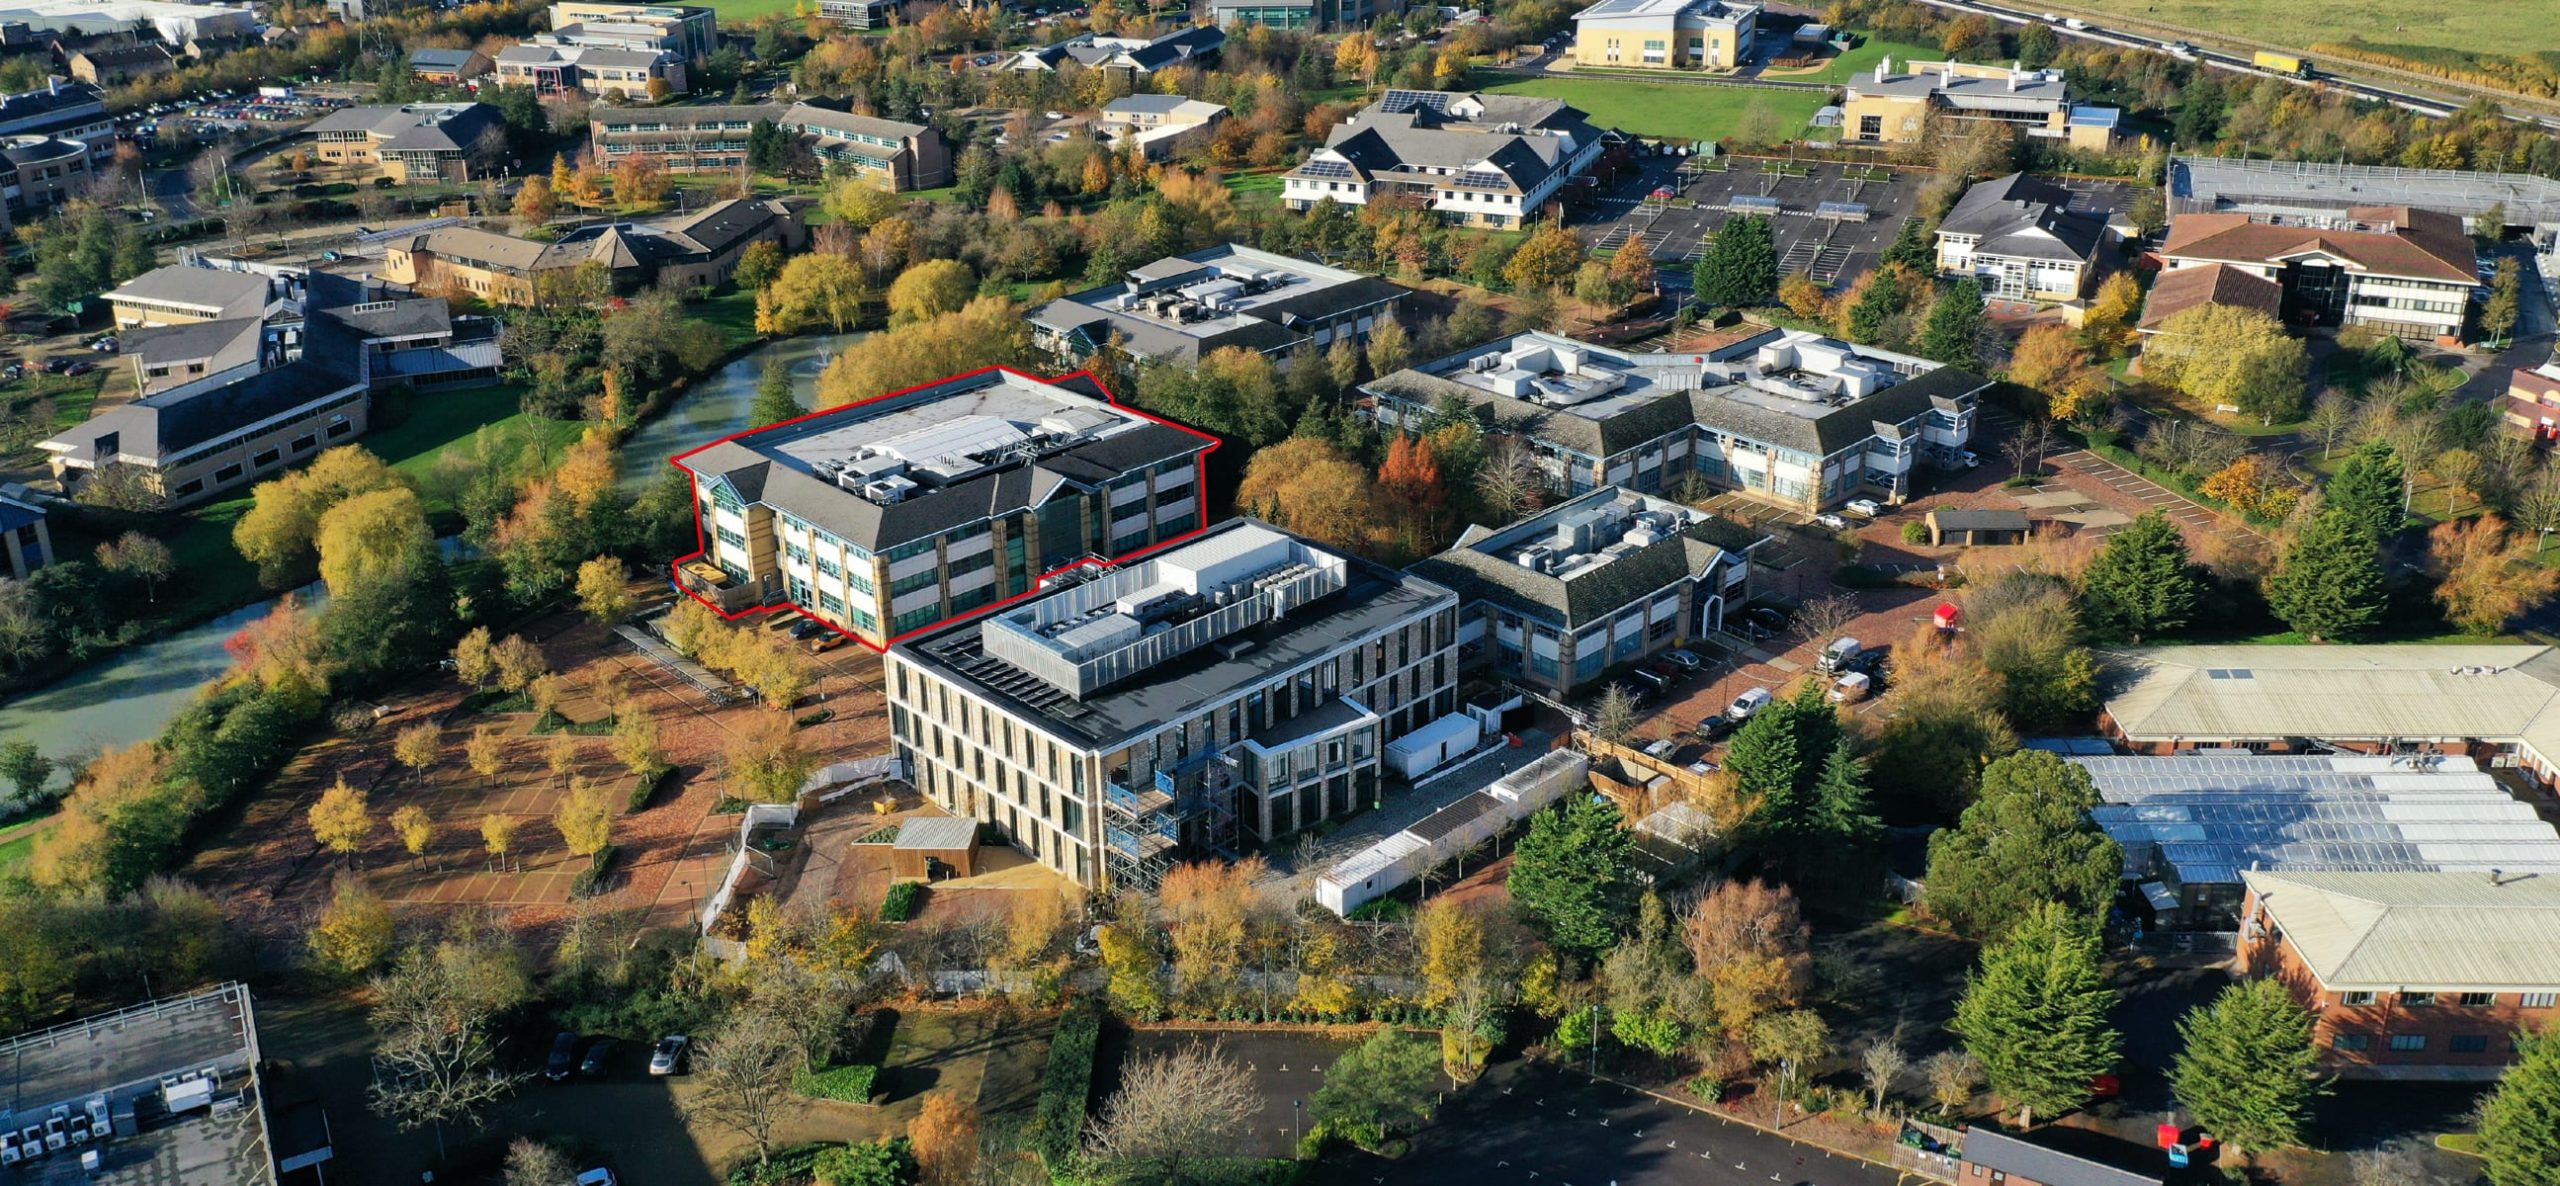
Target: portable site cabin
{"x":1380,"y":869}
{"x":1429,"y":747}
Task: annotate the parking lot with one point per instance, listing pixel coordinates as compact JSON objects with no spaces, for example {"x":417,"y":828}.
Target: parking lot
{"x":1831,"y":221}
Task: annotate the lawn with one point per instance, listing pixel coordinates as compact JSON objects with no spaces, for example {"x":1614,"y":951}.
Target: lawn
{"x":19,"y":840}
{"x":1673,"y":110}
{"x":2512,"y":27}
{"x":735,"y":11}
{"x":734,"y":312}
{"x":1862,"y":60}
{"x":453,"y":420}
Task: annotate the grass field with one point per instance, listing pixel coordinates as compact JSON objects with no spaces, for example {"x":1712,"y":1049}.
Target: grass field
{"x":2505,"y":26}
{"x":1863,"y":60}
{"x":17,"y":840}
{"x":1667,"y":109}
{"x":748,"y":10}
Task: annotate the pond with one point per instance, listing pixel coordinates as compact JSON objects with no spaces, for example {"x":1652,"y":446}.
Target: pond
{"x":132,"y":695}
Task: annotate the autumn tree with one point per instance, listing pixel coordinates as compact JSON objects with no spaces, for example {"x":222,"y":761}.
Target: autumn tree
{"x":766,"y":761}
{"x":281,"y":529}
{"x":944,"y":1136}
{"x":636,"y":745}
{"x":2252,"y":484}
{"x":485,"y":751}
{"x":1748,"y":941}
{"x":604,"y":589}
{"x":415,"y":828}
{"x":640,"y":181}
{"x":498,"y":836}
{"x":355,"y":930}
{"x":1388,"y":350}
{"x":418,"y":746}
{"x":475,"y":660}
{"x":139,"y":557}
{"x":986,"y":331}
{"x":1546,"y":261}
{"x":2110,"y":319}
{"x":1206,"y":908}
{"x":341,"y":819}
{"x":1805,"y":297}
{"x":818,"y":289}
{"x":2231,"y":356}
{"x":536,"y":203}
{"x":2487,"y":576}
{"x":584,"y":818}
{"x":1307,"y":486}
{"x":931,"y":289}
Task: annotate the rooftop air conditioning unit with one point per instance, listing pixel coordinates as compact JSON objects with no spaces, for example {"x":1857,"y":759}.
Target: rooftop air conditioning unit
{"x":889,"y":490}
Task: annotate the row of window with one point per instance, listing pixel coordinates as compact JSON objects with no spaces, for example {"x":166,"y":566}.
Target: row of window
{"x":2472,"y":1000}
{"x":2411,"y":1043}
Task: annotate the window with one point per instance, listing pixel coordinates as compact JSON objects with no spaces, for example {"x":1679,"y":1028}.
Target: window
{"x":2417,"y":1000}
{"x":2469,"y":1044}
{"x":192,"y":486}
{"x":304,"y":442}
{"x":2355,"y":998}
{"x":2539,"y":1000}
{"x":340,"y":429}
{"x":226,"y":473}
{"x":266,"y":458}
{"x":2408,"y":1041}
{"x":2478,"y":1000}
{"x":2351,"y":1042}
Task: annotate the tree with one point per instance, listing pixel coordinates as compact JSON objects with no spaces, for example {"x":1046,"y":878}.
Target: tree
{"x":604,"y":589}
{"x":2248,"y":1068}
{"x":742,"y":1076}
{"x":26,"y":770}
{"x":534,"y":1163}
{"x":1882,"y":1064}
{"x":944,"y":1136}
{"x":2231,"y":356}
{"x":282,"y":525}
{"x":2035,"y":1012}
{"x":766,"y":761}
{"x":498,"y":835}
{"x":990,"y":330}
{"x":1308,"y":486}
{"x":1740,"y":267}
{"x":2486,"y":576}
{"x":415,"y":827}
{"x":1451,"y":940}
{"x":584,"y":818}
{"x":1952,"y":332}
{"x":518,"y":663}
{"x":636,"y":746}
{"x":1613,"y":716}
{"x":485,"y":751}
{"x":139,"y":557}
{"x":887,"y":1161}
{"x":2109,"y":323}
{"x":354,"y":931}
{"x":775,"y":401}
{"x":341,"y":821}
{"x":759,"y":265}
{"x":536,"y":203}
{"x":2506,"y":295}
{"x":1378,"y":1089}
{"x":1573,"y":875}
{"x":2026,"y":840}
{"x":1389,"y":348}
{"x":1790,"y":1041}
{"x":434,"y":1062}
{"x":1804,"y":296}
{"x":1952,"y":1076}
{"x":418,"y":746}
{"x":818,"y":288}
{"x":2368,"y":489}
{"x":931,"y":289}
{"x":1191,"y":1104}
{"x":2520,"y":1121}
{"x":2329,"y":588}
{"x":1871,"y":311}
{"x":2142,"y":585}
{"x":1748,"y":941}
{"x":640,"y":181}
{"x":1546,"y":262}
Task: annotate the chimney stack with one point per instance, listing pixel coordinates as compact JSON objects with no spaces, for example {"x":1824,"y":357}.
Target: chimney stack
{"x":1884,"y":66}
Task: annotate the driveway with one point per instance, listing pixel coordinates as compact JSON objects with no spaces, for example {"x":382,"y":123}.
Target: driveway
{"x":1540,"y":1125}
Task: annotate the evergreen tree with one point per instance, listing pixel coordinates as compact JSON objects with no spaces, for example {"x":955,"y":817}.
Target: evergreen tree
{"x":2026,"y":840}
{"x":1952,"y":333}
{"x":1741,"y":267}
{"x":1880,"y":299}
{"x":1849,"y":834}
{"x":774,"y":402}
{"x":2330,"y":586}
{"x":2142,"y":585}
{"x":2520,"y":1123}
{"x":1915,"y":247}
{"x":1573,"y":875}
{"x":2248,"y":1069}
{"x":2368,"y":488}
{"x":2035,"y":1013}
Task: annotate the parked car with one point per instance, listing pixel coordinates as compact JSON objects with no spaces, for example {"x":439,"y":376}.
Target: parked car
{"x":789,"y":619}
{"x":599,"y":1055}
{"x":1717,"y":727}
{"x":1864,"y":506}
{"x":1663,"y":748}
{"x":564,"y":1057}
{"x":1702,"y":767}
{"x":1636,"y":693}
{"x":80,"y":367}
{"x":1650,"y":680}
{"x":598,"y":1176}
{"x":1768,"y":617}
{"x":1838,"y":655}
{"x":1684,"y":660}
{"x":1832,"y":521}
{"x":1669,"y":670}
{"x":826,"y":639}
{"x":668,"y":1058}
{"x":1971,"y":460}
{"x":1748,"y":703}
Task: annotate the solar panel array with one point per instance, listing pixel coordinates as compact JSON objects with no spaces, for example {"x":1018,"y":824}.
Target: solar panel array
{"x":1401,"y":101}
{"x":2210,"y":818}
{"x":1482,"y":181}
{"x":1325,"y":169}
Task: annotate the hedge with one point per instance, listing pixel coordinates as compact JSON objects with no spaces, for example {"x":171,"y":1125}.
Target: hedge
{"x":849,"y":1084}
{"x":645,"y":788}
{"x":591,"y":879}
{"x":905,"y":900}
{"x":1057,"y":1124}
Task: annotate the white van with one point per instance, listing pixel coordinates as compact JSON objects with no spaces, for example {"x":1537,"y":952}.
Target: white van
{"x":1850,"y":688}
{"x":1841,"y":653}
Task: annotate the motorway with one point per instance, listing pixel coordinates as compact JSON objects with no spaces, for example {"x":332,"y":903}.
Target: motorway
{"x":1534,"y":1124}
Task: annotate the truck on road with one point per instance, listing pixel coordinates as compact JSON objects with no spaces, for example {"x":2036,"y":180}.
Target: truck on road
{"x":2281,"y":63}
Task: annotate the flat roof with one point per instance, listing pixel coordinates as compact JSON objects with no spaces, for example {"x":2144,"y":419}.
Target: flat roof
{"x":124,"y":1056}
{"x":2274,"y":187}
{"x":1370,"y":598}
{"x":1184,"y":306}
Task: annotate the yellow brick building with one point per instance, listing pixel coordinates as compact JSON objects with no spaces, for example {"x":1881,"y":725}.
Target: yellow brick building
{"x":1889,"y":106}
{"x":1665,"y":34}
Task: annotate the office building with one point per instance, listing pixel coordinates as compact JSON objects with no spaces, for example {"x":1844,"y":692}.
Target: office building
{"x":2175,"y":292}
{"x":424,"y":143}
{"x":1306,"y":15}
{"x":25,"y":536}
{"x":2320,"y":189}
{"x":1130,"y":57}
{"x":713,"y":138}
{"x":1592,"y":584}
{"x":1886,"y":106}
{"x":2532,"y":406}
{"x":2496,"y":704}
{"x":62,"y":110}
{"x":449,"y":67}
{"x":176,"y":24}
{"x":180,"y":293}
{"x":1784,"y":415}
{"x":2403,"y":270}
{"x":611,"y":72}
{"x":887,"y":516}
{"x":1203,"y":700}
{"x":1182,"y":307}
{"x":40,"y":173}
{"x":859,"y":14}
{"x":1476,"y":159}
{"x":690,"y":32}
{"x":1666,"y":34}
{"x":2021,"y":239}
{"x":1159,"y":126}
{"x":116,"y":65}
{"x":696,"y":250}
{"x":901,"y":155}
{"x":2410,"y":975}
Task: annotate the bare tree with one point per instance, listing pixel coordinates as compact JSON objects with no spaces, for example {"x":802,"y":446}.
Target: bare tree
{"x":1952,"y":1077}
{"x":1613,"y":716}
{"x":1509,"y":480}
{"x":2332,"y":416}
{"x":534,"y":1163}
{"x":744,"y":1075}
{"x":1174,"y":1108}
{"x":1824,"y":618}
{"x":2020,"y":449}
{"x":2539,"y":508}
{"x":1880,"y":1066}
{"x":436,"y":1062}
{"x":2396,"y":1164}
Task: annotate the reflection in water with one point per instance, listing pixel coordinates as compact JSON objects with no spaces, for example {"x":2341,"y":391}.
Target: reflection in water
{"x":132,"y":696}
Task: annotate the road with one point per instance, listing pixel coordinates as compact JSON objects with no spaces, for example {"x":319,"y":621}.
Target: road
{"x":174,"y":192}
{"x":1540,"y":1125}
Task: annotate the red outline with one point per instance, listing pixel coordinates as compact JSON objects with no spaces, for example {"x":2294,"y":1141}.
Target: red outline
{"x":1199,"y":497}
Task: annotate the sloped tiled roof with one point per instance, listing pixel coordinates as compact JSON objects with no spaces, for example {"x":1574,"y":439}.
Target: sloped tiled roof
{"x":2395,"y":931}
{"x":2022,"y":218}
{"x":2422,"y":244}
{"x":2181,"y":289}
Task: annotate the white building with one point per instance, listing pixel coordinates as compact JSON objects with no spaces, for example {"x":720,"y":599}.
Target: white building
{"x":1477,"y":159}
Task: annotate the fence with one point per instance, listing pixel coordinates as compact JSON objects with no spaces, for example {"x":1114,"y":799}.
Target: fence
{"x":758,"y":814}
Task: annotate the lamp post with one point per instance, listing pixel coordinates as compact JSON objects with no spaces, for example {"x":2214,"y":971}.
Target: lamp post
{"x":1595,"y":1040}
{"x":1297,"y":1131}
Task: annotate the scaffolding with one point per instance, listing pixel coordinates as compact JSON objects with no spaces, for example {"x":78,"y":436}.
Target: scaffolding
{"x":1145,"y":821}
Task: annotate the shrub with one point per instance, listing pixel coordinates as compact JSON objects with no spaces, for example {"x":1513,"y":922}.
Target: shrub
{"x":645,"y":788}
{"x":1058,"y":1121}
{"x":1915,"y":532}
{"x":904,"y":901}
{"x":2021,"y":481}
{"x":787,"y":1167}
{"x":591,"y":879}
{"x":1707,"y":1088}
{"x":850,"y":1084}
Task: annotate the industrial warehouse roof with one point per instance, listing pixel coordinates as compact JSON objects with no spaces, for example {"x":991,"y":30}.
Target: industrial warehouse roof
{"x":2337,"y":693}
{"x":2389,"y":932}
{"x":2211,"y":816}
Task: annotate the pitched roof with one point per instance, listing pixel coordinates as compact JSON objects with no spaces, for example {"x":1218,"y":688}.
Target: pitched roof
{"x":2418,"y":244}
{"x":194,"y":340}
{"x":148,"y":53}
{"x":828,"y":119}
{"x":159,"y":426}
{"x":442,"y":59}
{"x":2422,"y":931}
{"x":2044,"y":1164}
{"x":1524,"y":138}
{"x":214,"y":290}
{"x":2338,"y":693}
{"x":415,"y":127}
{"x":2024,"y":218}
{"x":1588,"y":596}
{"x":2181,"y":289}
